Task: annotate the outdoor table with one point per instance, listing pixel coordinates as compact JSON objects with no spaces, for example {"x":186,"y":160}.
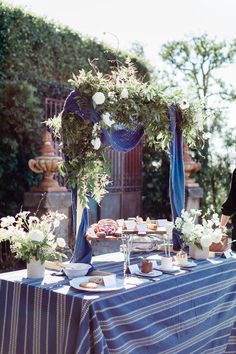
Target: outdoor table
{"x":193,"y":312}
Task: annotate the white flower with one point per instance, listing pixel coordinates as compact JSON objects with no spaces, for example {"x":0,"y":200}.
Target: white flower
{"x":61,"y":242}
{"x":184,"y":104}
{"x":187,"y":228}
{"x":178,"y":222}
{"x":107,"y":120}
{"x":33,"y":219}
{"x":206,"y":136}
{"x":36,"y":235}
{"x":215,"y":219}
{"x":96,"y":142}
{"x":98,"y":98}
{"x":111,"y":95}
{"x":124,"y":93}
{"x":217,"y":235}
{"x":206,"y":241}
{"x":119,"y":82}
{"x":7,"y":221}
{"x":96,"y":129}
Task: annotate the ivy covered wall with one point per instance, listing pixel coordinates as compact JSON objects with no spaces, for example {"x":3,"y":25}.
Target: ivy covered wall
{"x":36,"y":60}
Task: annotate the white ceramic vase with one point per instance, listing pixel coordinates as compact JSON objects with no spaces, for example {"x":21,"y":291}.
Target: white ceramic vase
{"x":35,"y":269}
{"x":197,"y":253}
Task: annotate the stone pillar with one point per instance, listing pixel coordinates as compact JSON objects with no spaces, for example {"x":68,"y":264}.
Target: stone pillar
{"x":193,"y":192}
{"x":192,"y":197}
{"x":41,"y":203}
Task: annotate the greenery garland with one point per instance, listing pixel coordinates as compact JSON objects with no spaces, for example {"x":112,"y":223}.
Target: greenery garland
{"x":118,"y":98}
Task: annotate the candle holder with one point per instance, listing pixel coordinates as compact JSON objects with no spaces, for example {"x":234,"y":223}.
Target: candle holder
{"x":127,"y":243}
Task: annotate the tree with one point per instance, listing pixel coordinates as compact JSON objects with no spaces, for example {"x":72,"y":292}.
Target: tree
{"x":197,"y":62}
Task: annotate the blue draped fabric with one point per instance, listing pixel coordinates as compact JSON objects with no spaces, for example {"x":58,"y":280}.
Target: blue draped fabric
{"x":176,"y":182}
{"x":122,"y":139}
{"x":83,"y":250}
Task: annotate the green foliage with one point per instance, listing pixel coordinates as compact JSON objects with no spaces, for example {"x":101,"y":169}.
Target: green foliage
{"x":118,"y":98}
{"x":36,"y":60}
{"x":34,"y":48}
{"x":196,"y":61}
{"x":20,"y":134}
{"x":156,"y":203}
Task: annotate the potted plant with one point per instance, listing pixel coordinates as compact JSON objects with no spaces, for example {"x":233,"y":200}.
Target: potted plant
{"x":32,"y":239}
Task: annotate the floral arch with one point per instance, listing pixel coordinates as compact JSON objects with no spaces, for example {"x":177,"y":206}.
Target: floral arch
{"x":116,"y":110}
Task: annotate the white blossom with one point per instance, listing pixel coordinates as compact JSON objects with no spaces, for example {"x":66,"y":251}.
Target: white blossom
{"x":107,"y":120}
{"x":7,"y":221}
{"x":96,"y":142}
{"x":33,"y":219}
{"x":36,"y":235}
{"x":99,"y":98}
{"x":206,"y":136}
{"x":206,"y":241}
{"x":119,"y":82}
{"x":217,"y":235}
{"x":111,"y":95}
{"x":61,"y":242}
{"x":124,"y":93}
{"x":188,"y":228}
{"x":195,"y":233}
{"x":184,"y":104}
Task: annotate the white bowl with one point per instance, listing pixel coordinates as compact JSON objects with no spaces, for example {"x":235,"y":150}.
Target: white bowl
{"x":74,"y":270}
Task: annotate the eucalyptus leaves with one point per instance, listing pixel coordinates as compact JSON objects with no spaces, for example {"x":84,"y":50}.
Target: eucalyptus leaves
{"x":118,"y":99}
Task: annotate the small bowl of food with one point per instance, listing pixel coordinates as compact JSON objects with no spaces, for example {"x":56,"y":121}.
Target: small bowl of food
{"x":74,"y":270}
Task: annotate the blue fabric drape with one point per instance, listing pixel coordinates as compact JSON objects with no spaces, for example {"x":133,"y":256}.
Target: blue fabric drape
{"x":83,"y":250}
{"x":120,"y":138}
{"x":176,"y":182}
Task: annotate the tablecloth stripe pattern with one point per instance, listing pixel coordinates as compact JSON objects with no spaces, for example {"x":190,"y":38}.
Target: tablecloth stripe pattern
{"x":192,"y":313}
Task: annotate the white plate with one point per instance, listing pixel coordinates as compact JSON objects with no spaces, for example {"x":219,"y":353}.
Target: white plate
{"x":173,"y":269}
{"x":189,"y":265}
{"x":154,"y":273}
{"x":75,"y":283}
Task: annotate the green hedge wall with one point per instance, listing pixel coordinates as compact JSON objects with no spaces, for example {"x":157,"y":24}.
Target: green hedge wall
{"x":36,"y":60}
{"x":34,"y":48}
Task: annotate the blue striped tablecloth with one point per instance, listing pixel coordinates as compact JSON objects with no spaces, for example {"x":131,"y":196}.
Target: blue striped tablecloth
{"x":194,"y":312}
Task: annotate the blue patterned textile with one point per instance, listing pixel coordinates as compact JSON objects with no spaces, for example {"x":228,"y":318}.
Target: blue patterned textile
{"x":194,"y":312}
{"x":176,"y":182}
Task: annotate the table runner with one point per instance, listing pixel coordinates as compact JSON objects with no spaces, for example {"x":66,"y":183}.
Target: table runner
{"x":189,"y":313}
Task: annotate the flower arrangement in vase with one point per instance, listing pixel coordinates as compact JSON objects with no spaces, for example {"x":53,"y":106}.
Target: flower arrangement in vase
{"x":198,"y":237}
{"x":32,"y":239}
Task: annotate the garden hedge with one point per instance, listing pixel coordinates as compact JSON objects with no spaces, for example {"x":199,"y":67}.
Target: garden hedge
{"x":36,"y":60}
